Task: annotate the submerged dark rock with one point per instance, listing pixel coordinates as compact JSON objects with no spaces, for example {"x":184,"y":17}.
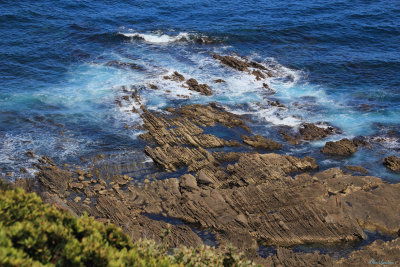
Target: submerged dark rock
{"x":120,"y":64}
{"x":356,"y":169}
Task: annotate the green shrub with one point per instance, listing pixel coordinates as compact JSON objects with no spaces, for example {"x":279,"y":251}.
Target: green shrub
{"x":37,"y":234}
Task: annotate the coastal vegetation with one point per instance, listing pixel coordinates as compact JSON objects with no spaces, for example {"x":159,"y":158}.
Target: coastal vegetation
{"x":36,"y":234}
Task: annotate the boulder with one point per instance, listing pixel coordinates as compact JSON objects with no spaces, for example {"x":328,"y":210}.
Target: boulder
{"x":392,"y":163}
{"x":344,"y":147}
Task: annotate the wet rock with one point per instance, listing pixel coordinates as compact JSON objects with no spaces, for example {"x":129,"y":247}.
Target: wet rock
{"x":118,"y":102}
{"x":356,"y":169}
{"x":46,"y":161}
{"x":78,"y":186}
{"x":289,"y":138}
{"x":392,"y":163}
{"x":344,"y":147}
{"x":176,"y":76}
{"x":310,"y":131}
{"x":259,"y":71}
{"x":203,"y":89}
{"x":204,"y":40}
{"x":259,"y":141}
{"x":154,"y":87}
{"x":360,"y":141}
{"x":232,"y":62}
{"x":379,"y":253}
{"x":286,"y":258}
{"x":30,"y":154}
{"x":258,"y":74}
{"x":124,"y":65}
{"x":276,"y":103}
{"x":180,"y":139}
{"x":219,"y":81}
{"x":266,"y":86}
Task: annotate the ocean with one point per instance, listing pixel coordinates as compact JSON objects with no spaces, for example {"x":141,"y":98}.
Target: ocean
{"x":64,"y":64}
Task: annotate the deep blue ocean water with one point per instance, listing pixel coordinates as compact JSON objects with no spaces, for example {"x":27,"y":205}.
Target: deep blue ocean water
{"x":336,"y":61}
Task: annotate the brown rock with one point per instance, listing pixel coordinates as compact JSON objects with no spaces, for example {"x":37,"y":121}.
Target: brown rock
{"x":259,"y":141}
{"x":356,"y":169}
{"x":310,"y":131}
{"x":232,"y":62}
{"x":176,"y":76}
{"x":344,"y":147}
{"x":379,"y":253}
{"x":30,"y":154}
{"x":188,"y":182}
{"x":55,"y":180}
{"x":289,"y":138}
{"x":392,"y":163}
{"x":203,"y":89}
{"x":79,"y":186}
{"x":259,"y":71}
{"x":219,"y":81}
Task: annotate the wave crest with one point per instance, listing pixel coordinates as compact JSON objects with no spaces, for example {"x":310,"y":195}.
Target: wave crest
{"x":158,"y":38}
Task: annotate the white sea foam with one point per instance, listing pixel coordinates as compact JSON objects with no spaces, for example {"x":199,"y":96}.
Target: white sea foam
{"x":159,"y":38}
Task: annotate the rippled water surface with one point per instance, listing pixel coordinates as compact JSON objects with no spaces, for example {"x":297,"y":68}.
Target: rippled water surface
{"x":335,"y":61}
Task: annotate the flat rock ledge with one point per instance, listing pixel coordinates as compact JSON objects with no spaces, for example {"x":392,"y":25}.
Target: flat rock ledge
{"x":246,"y":199}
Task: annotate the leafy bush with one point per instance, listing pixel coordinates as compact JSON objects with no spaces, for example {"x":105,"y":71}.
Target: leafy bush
{"x":37,"y":234}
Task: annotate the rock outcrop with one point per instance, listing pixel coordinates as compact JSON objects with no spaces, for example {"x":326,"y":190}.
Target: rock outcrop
{"x":251,"y":67}
{"x":244,"y":198}
{"x":203,"y":89}
{"x":344,"y":147}
{"x":310,"y":131}
{"x":259,"y":141}
{"x":392,"y":163}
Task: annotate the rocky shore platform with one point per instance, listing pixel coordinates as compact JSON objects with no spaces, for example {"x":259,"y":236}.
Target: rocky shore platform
{"x":241,"y":191}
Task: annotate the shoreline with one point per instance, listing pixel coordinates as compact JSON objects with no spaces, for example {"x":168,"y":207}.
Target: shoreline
{"x":251,"y":198}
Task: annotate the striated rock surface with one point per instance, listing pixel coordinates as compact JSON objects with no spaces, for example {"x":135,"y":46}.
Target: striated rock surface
{"x":379,"y":253}
{"x":392,"y":163}
{"x":251,"y":67}
{"x":259,"y":141}
{"x":344,"y":147}
{"x":307,"y":132}
{"x":243,"y":198}
{"x":203,"y":89}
